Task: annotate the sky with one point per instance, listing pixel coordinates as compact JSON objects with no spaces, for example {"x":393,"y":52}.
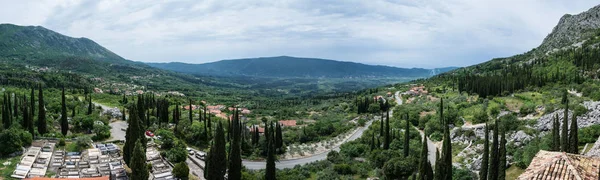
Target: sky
{"x":401,"y":33}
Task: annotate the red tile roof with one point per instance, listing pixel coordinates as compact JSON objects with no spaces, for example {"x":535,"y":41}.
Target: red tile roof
{"x":288,"y":123}
{"x":561,"y":166}
{"x":260,"y":130}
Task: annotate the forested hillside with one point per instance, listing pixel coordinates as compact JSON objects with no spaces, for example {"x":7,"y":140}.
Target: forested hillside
{"x":293,"y":67}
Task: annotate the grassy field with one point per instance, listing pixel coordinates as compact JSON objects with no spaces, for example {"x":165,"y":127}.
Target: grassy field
{"x":513,"y":172}
{"x":8,"y":170}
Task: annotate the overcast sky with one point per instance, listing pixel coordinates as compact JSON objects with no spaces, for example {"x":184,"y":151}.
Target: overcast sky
{"x":402,"y":33}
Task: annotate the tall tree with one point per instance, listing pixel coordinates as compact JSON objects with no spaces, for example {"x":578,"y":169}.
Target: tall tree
{"x":191,"y":116}
{"x":372,"y":141}
{"x":27,"y":117}
{"x":133,"y":134}
{"x":90,"y":105}
{"x":493,"y":168}
{"x":73,"y":112}
{"x":270,"y":173}
{"x":139,"y":170}
{"x":41,"y":123}
{"x":555,"y":143}
{"x":64,"y":124}
{"x":235,"y":157}
{"x":573,"y":136}
{"x":407,"y":137}
{"x":502,"y":154}
{"x":278,"y":138}
{"x":6,"y":112}
{"x":439,"y":166}
{"x":425,"y":171}
{"x":565,"y":128}
{"x":32,"y":106}
{"x":386,"y":137}
{"x":216,"y":164}
{"x":483,"y":172}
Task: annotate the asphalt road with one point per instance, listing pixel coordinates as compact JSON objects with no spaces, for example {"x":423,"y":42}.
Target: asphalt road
{"x":293,"y":162}
{"x":115,"y":130}
{"x":431,"y":148}
{"x":194,"y":168}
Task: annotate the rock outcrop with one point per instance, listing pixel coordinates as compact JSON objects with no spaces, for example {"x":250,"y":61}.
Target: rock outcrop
{"x":572,"y":29}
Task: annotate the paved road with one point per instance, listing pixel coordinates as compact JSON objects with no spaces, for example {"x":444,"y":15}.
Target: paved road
{"x":194,"y":168}
{"x":115,"y":130}
{"x":293,"y":162}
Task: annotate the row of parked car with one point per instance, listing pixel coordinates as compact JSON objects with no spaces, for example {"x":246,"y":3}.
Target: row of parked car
{"x":199,"y":154}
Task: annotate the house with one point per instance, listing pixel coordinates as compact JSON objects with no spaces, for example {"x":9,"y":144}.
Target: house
{"x":139,"y":92}
{"x":215,"y":109}
{"x":241,"y":110}
{"x":389,"y":94}
{"x":187,"y":108}
{"x":260,"y":130}
{"x":98,"y":90}
{"x":378,"y":98}
{"x":559,"y":165}
{"x":288,"y":123}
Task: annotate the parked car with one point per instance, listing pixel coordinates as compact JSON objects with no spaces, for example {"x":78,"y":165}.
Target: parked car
{"x":191,"y":152}
{"x":200,"y":155}
{"x":149,"y":133}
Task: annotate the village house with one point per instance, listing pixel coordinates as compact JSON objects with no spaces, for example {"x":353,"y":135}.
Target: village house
{"x":287,"y":123}
{"x":98,"y":90}
{"x":417,"y":90}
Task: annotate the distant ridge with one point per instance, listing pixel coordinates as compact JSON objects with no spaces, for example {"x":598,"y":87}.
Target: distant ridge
{"x":295,"y":67}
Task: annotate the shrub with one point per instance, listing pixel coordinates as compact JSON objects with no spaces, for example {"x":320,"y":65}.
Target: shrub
{"x":343,"y":169}
{"x":12,"y":140}
{"x":181,"y":171}
{"x":62,"y":142}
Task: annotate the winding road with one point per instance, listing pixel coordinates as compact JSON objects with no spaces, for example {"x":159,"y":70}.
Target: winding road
{"x":255,"y":165}
{"x":431,"y":148}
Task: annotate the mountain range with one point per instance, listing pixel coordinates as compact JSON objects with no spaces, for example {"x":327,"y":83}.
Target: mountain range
{"x":294,"y":67}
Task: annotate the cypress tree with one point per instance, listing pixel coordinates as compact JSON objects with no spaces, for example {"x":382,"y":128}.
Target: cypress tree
{"x":235,"y":158}
{"x":573,"y":136}
{"x":381,"y":126}
{"x":502,"y":154}
{"x":24,"y":111}
{"x":139,"y":170}
{"x":270,"y":173}
{"x":64,"y":124}
{"x":27,"y":117}
{"x":278,"y":138}
{"x":176,"y":114}
{"x":424,"y":165}
{"x":15,"y":107}
{"x":41,"y":125}
{"x":90,"y":105}
{"x":372,"y":141}
{"x":493,"y":167}
{"x":32,"y":106}
{"x":73,"y":112}
{"x":216,"y":164}
{"x":447,"y":154}
{"x":407,"y":138}
{"x":483,"y":172}
{"x":555,"y":143}
{"x":134,"y":133}
{"x":5,"y":113}
{"x":123,"y":116}
{"x":565,"y":128}
{"x":190,"y":112}
{"x":439,"y":166}
{"x":386,"y":138}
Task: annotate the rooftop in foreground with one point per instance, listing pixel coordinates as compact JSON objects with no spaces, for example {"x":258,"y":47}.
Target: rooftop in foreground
{"x":561,"y":166}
